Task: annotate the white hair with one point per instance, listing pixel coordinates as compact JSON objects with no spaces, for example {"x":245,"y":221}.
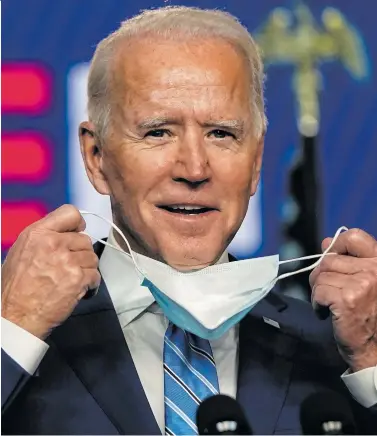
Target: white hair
{"x":167,"y":22}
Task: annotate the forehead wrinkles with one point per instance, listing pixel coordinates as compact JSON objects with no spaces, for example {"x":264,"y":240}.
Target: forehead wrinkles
{"x":173,"y":78}
{"x":192,"y":95}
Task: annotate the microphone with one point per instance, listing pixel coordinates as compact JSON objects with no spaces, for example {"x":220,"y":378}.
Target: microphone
{"x":221,"y":415}
{"x":326,"y":413}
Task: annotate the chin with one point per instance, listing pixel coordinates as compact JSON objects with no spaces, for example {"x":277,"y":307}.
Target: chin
{"x":185,"y":254}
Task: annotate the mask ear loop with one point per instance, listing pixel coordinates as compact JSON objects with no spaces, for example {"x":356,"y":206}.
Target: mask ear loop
{"x":114,"y":226}
{"x":315,"y":264}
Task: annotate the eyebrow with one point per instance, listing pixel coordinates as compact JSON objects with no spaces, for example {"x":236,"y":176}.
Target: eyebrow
{"x":238,"y":125}
{"x":157,"y":122}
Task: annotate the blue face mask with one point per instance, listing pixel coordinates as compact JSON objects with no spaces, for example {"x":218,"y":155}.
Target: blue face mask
{"x":181,"y":317}
{"x":210,"y":301}
{"x":227,"y":295}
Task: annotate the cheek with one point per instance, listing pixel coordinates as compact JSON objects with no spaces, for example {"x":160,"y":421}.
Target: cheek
{"x":135,"y":172}
{"x":235,"y":173}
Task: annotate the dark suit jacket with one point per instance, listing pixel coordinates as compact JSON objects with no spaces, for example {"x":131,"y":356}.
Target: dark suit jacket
{"x":87,"y":382}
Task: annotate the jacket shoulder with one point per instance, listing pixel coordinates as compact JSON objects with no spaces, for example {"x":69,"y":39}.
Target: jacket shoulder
{"x":286,"y":323}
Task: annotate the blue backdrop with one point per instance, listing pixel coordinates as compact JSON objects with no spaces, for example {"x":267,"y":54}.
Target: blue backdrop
{"x":59,"y":37}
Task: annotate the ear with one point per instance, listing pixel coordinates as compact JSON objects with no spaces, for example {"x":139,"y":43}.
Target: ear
{"x":91,"y":151}
{"x":257,"y":167}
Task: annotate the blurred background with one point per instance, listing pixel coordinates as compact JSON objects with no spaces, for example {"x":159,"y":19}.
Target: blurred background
{"x":320,"y":164}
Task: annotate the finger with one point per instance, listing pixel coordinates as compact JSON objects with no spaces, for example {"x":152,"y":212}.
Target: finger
{"x":335,"y":279}
{"x":313,"y":276}
{"x":329,"y":287}
{"x":326,"y":292}
{"x":355,"y":242}
{"x":323,"y":297}
{"x":326,"y":288}
{"x":85,"y":259}
{"x":325,"y":243}
{"x":322,"y":274}
{"x":90,"y":293}
{"x":77,"y":241}
{"x":92,"y":278}
{"x":326,"y":281}
{"x":93,"y":286}
{"x":345,"y":264}
{"x":66,"y":218}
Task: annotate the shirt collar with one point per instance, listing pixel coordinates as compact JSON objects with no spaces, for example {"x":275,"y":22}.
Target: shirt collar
{"x":123,"y":283}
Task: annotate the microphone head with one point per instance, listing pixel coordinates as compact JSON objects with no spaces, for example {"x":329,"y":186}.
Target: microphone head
{"x":326,"y":413}
{"x":221,"y":414}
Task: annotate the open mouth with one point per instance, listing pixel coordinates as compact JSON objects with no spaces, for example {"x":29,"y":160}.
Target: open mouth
{"x":187,"y":209}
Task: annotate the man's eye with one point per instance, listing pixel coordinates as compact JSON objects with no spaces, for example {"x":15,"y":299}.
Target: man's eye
{"x":220,"y":134}
{"x":157,"y":133}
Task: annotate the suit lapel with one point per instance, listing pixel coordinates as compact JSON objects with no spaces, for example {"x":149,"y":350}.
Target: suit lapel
{"x":93,"y":344}
{"x":265,"y":365}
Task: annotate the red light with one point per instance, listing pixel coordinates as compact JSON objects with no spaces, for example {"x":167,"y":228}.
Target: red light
{"x":26,"y":88}
{"x":25,"y":157}
{"x":17,"y":216}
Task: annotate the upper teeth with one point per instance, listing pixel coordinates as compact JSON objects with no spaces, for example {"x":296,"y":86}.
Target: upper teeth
{"x":184,"y":207}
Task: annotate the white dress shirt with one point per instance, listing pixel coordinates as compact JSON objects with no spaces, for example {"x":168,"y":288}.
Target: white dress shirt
{"x":144,"y":327}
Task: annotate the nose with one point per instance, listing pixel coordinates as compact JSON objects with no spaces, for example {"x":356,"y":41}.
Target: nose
{"x":192,"y":166}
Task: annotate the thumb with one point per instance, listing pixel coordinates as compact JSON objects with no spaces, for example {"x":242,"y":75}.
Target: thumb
{"x":66,"y":218}
{"x":325,"y":243}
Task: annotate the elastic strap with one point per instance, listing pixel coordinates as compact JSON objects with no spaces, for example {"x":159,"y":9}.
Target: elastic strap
{"x":315,"y":264}
{"x":115,"y":227}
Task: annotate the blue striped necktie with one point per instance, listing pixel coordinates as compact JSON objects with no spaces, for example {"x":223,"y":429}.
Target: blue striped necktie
{"x":189,"y":377}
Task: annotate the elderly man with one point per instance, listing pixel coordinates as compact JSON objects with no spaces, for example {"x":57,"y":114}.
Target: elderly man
{"x":175,"y":138}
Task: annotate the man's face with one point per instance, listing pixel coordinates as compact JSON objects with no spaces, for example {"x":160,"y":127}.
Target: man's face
{"x":182,"y":160}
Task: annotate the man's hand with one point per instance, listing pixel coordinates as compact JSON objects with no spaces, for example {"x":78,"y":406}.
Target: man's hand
{"x":346,"y":283}
{"x":47,"y":271}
